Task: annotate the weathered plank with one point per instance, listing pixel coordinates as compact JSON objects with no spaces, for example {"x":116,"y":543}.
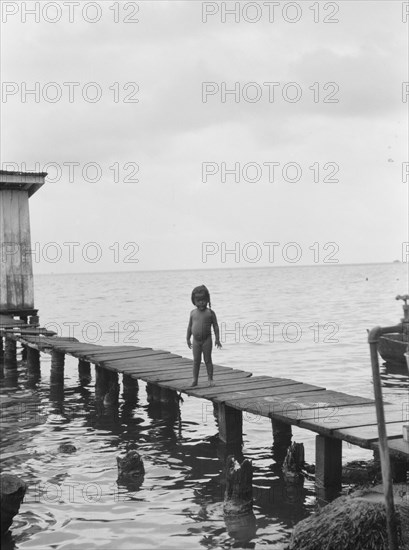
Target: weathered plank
{"x":316,"y":400}
{"x":269,"y":392}
{"x":188,"y":375}
{"x":141,"y":367}
{"x":113,"y":349}
{"x":124,"y":355}
{"x":397,"y":447}
{"x":131,"y":355}
{"x":364,"y":435}
{"x":351,"y":420}
{"x":256,"y":382}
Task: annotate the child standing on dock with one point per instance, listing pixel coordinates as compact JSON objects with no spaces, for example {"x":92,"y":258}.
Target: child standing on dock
{"x":200,"y":323}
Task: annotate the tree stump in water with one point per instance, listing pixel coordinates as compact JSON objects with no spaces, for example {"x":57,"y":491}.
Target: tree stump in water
{"x":12,"y":491}
{"x":294,"y":462}
{"x":130,"y":470}
{"x":238,"y":498}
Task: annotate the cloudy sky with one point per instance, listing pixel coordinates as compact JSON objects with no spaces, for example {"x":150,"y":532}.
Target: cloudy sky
{"x":150,"y":158}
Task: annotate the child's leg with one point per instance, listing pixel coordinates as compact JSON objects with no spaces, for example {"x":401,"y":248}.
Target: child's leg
{"x":207,"y":356}
{"x":197,"y":357}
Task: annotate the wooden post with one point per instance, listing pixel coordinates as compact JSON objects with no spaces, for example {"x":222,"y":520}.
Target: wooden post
{"x":33,"y":358}
{"x":112,"y":395}
{"x":282,"y":435}
{"x":57,"y":368}
{"x":152,"y":393}
{"x":10,"y":351}
{"x":168,"y":396}
{"x":84,"y":372}
{"x":130,"y":388}
{"x":34,"y":320}
{"x":328,"y":463}
{"x":230,"y":422}
{"x":391,"y":522}
{"x":101,"y":383}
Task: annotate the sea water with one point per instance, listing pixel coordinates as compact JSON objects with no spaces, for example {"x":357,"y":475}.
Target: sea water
{"x":305,"y":323}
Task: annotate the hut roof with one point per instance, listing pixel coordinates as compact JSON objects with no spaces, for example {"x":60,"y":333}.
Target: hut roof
{"x":23,"y":181}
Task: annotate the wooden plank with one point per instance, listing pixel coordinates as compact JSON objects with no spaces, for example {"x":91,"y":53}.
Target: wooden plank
{"x":129,"y":355}
{"x":397,"y":447}
{"x":185,"y":384}
{"x":364,"y":435}
{"x":326,"y":414}
{"x":118,"y":366}
{"x":142,"y":367}
{"x":113,"y":349}
{"x":350,"y":421}
{"x":315,"y":400}
{"x":328,"y":429}
{"x":269,"y":392}
{"x":6,"y":321}
{"x":218,"y":371}
{"x":188,"y":375}
{"x":256,"y":382}
{"x":26,"y":267}
{"x":290,"y":408}
{"x":3,"y":266}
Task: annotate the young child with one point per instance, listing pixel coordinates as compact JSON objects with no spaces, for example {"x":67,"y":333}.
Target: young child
{"x":200,"y":322}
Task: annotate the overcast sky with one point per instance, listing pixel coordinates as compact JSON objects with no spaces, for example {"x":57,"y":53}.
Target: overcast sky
{"x":319,"y":92}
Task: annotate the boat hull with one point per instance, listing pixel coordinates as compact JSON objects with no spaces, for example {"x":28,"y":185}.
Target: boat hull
{"x":392,"y":348}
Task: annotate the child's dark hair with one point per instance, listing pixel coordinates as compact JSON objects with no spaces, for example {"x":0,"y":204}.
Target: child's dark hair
{"x":201,"y":290}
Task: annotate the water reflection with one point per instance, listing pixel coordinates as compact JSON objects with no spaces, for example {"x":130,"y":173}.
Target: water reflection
{"x":177,"y":458}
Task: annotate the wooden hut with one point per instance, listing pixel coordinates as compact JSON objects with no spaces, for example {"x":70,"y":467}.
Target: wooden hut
{"x":16,"y":269}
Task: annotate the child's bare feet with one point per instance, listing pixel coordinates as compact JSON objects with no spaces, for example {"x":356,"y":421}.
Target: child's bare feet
{"x":211,"y":383}
{"x":193,"y":384}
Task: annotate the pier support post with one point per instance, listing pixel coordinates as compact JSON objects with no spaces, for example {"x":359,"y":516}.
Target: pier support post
{"x":168,"y":396}
{"x":34,"y":320}
{"x":101,"y":383}
{"x":10,"y":352}
{"x":282,"y":435}
{"x":152,"y":393}
{"x":230,"y":422}
{"x":328,"y":463}
{"x":130,"y":388}
{"x":1,"y":348}
{"x":112,"y":395}
{"x":57,"y":368}
{"x":106,"y":386}
{"x":33,"y":358}
{"x":84,"y":372}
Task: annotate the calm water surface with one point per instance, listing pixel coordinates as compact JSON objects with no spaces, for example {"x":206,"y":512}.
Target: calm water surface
{"x":307,"y":323}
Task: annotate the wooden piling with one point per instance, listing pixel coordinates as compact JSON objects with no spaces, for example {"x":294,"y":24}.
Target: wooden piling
{"x":84,"y":372}
{"x":101,"y":383}
{"x":57,"y":368}
{"x":230,"y":422}
{"x":130,"y":388}
{"x":10,"y":352}
{"x":33,"y":359}
{"x":282,"y":435}
{"x":112,"y":395}
{"x":328,"y":462}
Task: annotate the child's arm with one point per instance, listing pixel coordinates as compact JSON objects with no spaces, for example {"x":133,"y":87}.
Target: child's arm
{"x":216,"y":330}
{"x":189,"y":332}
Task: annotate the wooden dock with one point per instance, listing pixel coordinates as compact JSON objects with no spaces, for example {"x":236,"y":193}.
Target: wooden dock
{"x":334,"y":416}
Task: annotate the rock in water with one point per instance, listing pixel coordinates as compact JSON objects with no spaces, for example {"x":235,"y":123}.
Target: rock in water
{"x":353,"y":522}
{"x":12,"y":491}
{"x":238,"y":498}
